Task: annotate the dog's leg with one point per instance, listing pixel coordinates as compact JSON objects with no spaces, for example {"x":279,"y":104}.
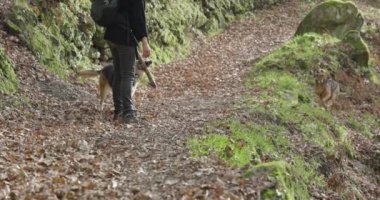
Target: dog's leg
{"x":332,"y":99}
{"x":328,"y":100}
{"x":326,"y":97}
{"x":136,"y":80}
{"x":329,"y":103}
{"x":103,"y":95}
{"x":134,"y":87}
{"x":103,"y":89}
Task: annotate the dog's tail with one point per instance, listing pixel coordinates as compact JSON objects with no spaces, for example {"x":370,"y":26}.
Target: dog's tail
{"x":88,"y":73}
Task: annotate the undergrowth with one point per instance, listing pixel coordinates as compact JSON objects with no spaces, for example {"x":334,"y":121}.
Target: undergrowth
{"x":63,"y":37}
{"x":284,"y":122}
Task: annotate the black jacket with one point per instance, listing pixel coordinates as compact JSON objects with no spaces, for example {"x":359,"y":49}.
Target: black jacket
{"x":133,"y":11}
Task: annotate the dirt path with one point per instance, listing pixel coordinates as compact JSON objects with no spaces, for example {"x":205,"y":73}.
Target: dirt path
{"x":57,"y":143}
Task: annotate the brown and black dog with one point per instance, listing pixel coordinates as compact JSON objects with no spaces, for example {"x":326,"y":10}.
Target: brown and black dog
{"x":326,"y":87}
{"x":106,"y":77}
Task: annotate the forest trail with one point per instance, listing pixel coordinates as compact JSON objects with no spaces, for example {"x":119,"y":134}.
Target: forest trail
{"x":58,"y":144}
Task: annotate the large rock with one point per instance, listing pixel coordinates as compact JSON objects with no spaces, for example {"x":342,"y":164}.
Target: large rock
{"x":358,"y":49}
{"x":8,"y":79}
{"x":333,"y":17}
{"x":59,"y":35}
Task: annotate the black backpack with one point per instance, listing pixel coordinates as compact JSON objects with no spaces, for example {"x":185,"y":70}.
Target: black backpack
{"x":105,"y":12}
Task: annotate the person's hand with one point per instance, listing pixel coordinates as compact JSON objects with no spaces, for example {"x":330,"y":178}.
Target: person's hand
{"x":146,"y":48}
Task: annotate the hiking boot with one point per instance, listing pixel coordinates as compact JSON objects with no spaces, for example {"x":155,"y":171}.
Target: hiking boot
{"x":131,"y":118}
{"x":118,"y":116}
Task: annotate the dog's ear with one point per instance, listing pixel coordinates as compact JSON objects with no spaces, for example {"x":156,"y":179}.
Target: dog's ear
{"x":148,"y":62}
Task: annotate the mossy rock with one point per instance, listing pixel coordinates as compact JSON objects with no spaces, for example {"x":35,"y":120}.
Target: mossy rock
{"x":332,"y":17}
{"x":60,"y":36}
{"x":303,"y":53}
{"x":170,"y":24}
{"x":8,"y":79}
{"x":19,"y":16}
{"x":359,"y":50}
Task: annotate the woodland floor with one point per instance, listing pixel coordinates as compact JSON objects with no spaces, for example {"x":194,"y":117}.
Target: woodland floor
{"x":54,"y":143}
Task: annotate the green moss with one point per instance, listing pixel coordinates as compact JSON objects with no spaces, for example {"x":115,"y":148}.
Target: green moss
{"x":46,"y":48}
{"x":286,"y":78}
{"x":278,"y":172}
{"x":170,"y":23}
{"x":366,"y":124}
{"x":289,"y":101}
{"x":343,"y":20}
{"x":263,"y":148}
{"x":286,"y":107}
{"x":8,"y":79}
{"x":247,"y":143}
{"x":360,"y":51}
{"x":302,"y":53}
{"x":291,"y":181}
{"x":311,"y":51}
{"x":286,"y":82}
{"x":334,"y":17}
{"x":60,"y":38}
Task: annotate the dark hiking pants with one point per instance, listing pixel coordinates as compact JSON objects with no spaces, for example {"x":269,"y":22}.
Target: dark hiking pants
{"x":123,"y":60}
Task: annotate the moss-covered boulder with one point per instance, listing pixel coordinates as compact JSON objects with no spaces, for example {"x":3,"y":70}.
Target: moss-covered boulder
{"x":358,"y":49}
{"x":311,"y":51}
{"x":8,"y":79}
{"x":334,"y":17}
{"x":303,"y":53}
{"x":59,"y":34}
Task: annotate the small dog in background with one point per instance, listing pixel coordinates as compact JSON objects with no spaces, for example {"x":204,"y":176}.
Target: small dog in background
{"x":106,"y":77}
{"x":326,"y":88}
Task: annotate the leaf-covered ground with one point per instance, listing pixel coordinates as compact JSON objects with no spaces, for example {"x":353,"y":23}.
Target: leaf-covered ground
{"x":55,"y":144}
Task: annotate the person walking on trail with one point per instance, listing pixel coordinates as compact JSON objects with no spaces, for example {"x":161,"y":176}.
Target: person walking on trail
{"x":123,"y":39}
